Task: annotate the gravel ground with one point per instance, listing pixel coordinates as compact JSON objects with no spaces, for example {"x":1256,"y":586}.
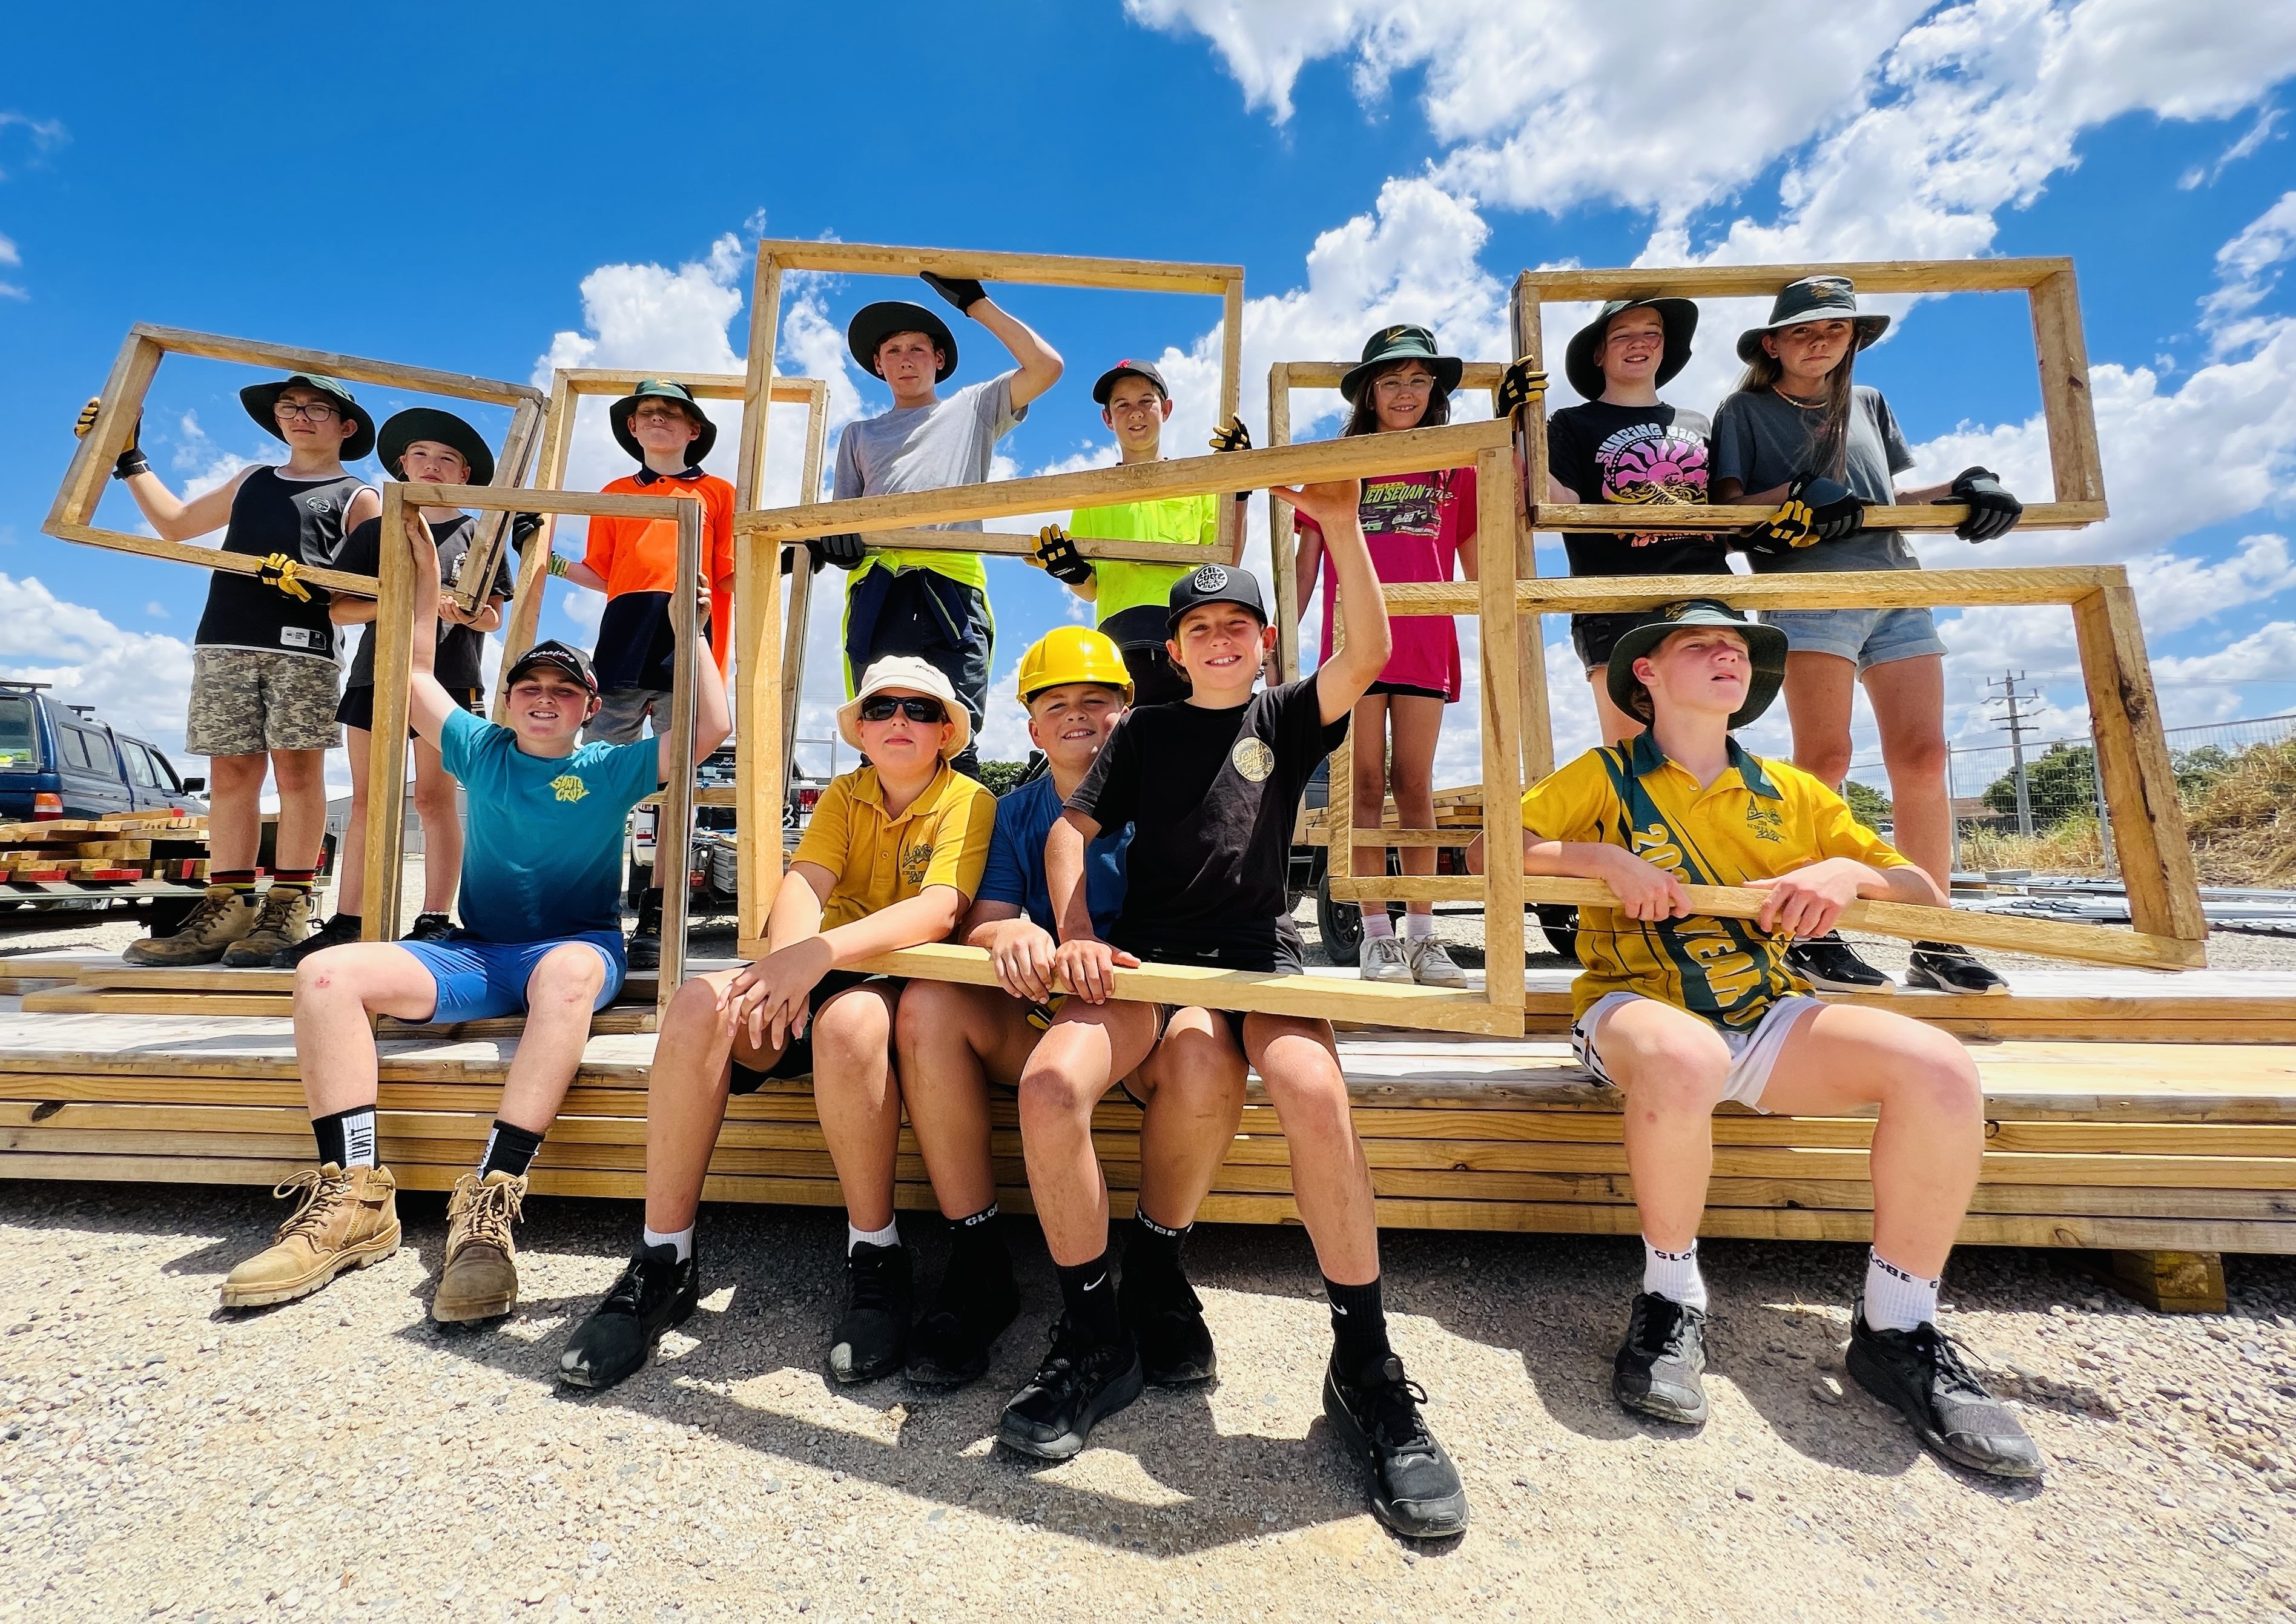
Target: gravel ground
{"x":341,"y":1457}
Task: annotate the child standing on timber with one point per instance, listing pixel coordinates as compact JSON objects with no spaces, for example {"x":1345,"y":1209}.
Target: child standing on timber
{"x":263,"y":661}
{"x":925,"y":604}
{"x":1130,"y":598}
{"x":1799,"y":431}
{"x":432,"y":447}
{"x":1421,"y":527}
{"x":541,"y":884}
{"x":1682,"y":1011}
{"x":891,"y":859}
{"x":634,"y":561}
{"x":1211,"y":789}
{"x":955,"y":1040}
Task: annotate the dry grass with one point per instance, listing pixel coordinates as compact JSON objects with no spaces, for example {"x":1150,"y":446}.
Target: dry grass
{"x":2069,"y":847}
{"x":2244,"y":820}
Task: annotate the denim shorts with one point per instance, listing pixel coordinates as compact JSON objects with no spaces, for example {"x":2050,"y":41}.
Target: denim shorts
{"x":1870,"y":636}
{"x":477,"y":980}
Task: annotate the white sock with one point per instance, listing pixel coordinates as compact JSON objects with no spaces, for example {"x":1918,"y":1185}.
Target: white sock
{"x":890,"y":1235}
{"x":1377,"y":922}
{"x":1674,"y":1276}
{"x":1418,"y":927}
{"x":1896,"y":1300}
{"x":682,"y":1239}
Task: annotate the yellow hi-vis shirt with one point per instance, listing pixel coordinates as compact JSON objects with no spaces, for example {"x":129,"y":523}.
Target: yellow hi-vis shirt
{"x":1759,"y":819}
{"x":1192,"y":519}
{"x":942,"y":839}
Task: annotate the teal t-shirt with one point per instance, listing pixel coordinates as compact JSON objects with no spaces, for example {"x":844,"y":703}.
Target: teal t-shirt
{"x":542,"y":857}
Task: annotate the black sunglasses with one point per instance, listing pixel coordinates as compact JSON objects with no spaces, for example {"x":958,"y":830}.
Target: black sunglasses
{"x":919,"y":710}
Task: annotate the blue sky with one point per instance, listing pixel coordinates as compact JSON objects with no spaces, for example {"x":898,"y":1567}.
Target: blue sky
{"x":489,"y":193}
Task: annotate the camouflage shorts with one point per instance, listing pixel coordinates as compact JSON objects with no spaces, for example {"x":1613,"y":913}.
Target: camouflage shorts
{"x":248,"y":701}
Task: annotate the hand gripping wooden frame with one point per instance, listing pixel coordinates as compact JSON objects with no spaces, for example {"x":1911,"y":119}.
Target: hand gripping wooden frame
{"x":72,"y":518}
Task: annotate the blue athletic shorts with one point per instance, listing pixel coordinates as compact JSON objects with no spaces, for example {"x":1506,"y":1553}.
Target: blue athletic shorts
{"x":477,"y":980}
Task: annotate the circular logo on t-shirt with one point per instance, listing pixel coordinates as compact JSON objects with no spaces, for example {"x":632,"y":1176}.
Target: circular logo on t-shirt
{"x":1211,"y":578}
{"x":1253,"y":760}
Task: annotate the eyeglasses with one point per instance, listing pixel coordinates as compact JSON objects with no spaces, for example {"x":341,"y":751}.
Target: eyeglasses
{"x":1414,"y":383}
{"x":315,"y":411}
{"x":916,"y":710}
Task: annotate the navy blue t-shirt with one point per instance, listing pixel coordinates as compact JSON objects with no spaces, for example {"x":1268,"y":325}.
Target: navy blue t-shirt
{"x":1015,"y":874}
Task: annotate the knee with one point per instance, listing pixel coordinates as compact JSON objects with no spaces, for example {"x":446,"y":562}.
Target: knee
{"x":434,"y":800}
{"x":693,"y":1012}
{"x":298,"y":770}
{"x":1921,"y":757}
{"x":1828,"y":762}
{"x":1308,"y":1096}
{"x":570,"y":974}
{"x":928,"y":1010}
{"x":1049,"y":1092}
{"x":852,"y":1033}
{"x":1673,"y":1075}
{"x":1941,"y":1080}
{"x":1412,"y":780}
{"x":321,"y":978}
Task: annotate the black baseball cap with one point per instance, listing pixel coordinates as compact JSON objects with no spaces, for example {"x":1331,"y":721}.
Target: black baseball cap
{"x":1106,"y":386}
{"x":559,"y":656}
{"x":1215,"y":584}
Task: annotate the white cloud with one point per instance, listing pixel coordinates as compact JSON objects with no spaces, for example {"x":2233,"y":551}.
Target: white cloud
{"x":2251,"y":141}
{"x":135,"y":680}
{"x":2247,"y":270}
{"x":2174,"y":592}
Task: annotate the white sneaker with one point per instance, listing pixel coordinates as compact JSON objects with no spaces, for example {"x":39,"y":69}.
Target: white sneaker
{"x":1384,"y":960}
{"x":1431,"y":964}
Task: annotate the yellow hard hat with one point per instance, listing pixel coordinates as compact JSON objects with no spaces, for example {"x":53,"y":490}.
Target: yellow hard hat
{"x":1073,"y":653}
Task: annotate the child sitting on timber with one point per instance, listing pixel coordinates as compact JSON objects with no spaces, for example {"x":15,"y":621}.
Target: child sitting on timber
{"x":955,"y":1040}
{"x":1681,"y":1012}
{"x":891,"y":858}
{"x":1211,"y":789}
{"x":541,"y":895}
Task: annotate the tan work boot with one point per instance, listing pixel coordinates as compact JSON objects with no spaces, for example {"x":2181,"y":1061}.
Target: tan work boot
{"x":217,"y":920}
{"x":481,"y":1279}
{"x":284,"y":921}
{"x":347,"y":1219}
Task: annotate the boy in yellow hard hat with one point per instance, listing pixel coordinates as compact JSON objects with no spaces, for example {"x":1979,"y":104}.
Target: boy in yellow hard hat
{"x":955,"y":1040}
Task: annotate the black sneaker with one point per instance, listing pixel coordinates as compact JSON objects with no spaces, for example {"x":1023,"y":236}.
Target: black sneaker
{"x":1167,"y":1319}
{"x":1922,"y":1373}
{"x":1659,"y":1365}
{"x":644,"y":950}
{"x":429,"y":928}
{"x":872,"y":1340}
{"x":1077,"y":1386}
{"x":655,"y":1292}
{"x":338,"y":930}
{"x":951,"y":1344}
{"x":1414,"y":1488}
{"x":1949,"y":967}
{"x":1827,"y":963}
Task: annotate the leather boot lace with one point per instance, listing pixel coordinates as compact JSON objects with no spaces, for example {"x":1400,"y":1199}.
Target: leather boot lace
{"x":321,"y":1196}
{"x":490,"y":1211}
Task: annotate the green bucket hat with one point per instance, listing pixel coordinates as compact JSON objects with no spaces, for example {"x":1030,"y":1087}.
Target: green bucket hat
{"x":873,"y":325}
{"x":1766,"y":643}
{"x":401,"y":429}
{"x":1582,"y":361}
{"x":1403,"y":343}
{"x":661,"y":389}
{"x":1813,"y":298}
{"x":262,"y":400}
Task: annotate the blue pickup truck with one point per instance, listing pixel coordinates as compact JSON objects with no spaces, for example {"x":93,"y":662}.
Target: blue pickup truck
{"x":57,"y":760}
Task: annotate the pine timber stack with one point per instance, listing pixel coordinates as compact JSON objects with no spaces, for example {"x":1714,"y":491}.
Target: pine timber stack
{"x":119,"y":846}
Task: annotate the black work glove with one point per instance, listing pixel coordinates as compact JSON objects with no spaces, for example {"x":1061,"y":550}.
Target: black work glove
{"x":963,"y":291}
{"x":1232,"y":435}
{"x":1782,"y":533}
{"x":846,"y":550}
{"x":131,"y":459}
{"x":1520,"y":385}
{"x":523,"y":528}
{"x":1992,"y":510}
{"x":1834,"y":514}
{"x":1058,"y":557}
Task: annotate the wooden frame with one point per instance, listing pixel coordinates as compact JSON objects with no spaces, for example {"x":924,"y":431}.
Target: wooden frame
{"x":2075,"y":468}
{"x":72,"y":516}
{"x":394,"y":649}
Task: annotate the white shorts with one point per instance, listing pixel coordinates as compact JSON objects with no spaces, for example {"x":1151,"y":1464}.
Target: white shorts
{"x":1752,"y":1053}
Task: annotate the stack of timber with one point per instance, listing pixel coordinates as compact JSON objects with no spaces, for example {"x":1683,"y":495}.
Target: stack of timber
{"x":122,"y":846}
{"x":2172,"y":1146}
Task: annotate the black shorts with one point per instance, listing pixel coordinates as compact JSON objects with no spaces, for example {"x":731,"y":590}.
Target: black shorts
{"x":1408,"y":691}
{"x":1596,"y":636}
{"x":1281,"y":954}
{"x":797,"y":1060}
{"x":357,"y":707}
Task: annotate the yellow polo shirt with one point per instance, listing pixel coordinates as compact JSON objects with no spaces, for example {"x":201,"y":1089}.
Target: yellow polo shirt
{"x":1758,"y":820}
{"x":942,"y":839}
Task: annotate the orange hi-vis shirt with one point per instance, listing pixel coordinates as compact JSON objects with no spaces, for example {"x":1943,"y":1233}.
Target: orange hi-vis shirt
{"x":633,"y":555}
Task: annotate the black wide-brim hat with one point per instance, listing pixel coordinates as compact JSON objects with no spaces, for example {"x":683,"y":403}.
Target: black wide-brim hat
{"x":1767,"y":645}
{"x":1813,"y":299}
{"x":662,"y":389}
{"x":873,"y":325}
{"x":1582,"y":361}
{"x":1403,"y":343}
{"x":262,"y":401}
{"x":401,"y":429}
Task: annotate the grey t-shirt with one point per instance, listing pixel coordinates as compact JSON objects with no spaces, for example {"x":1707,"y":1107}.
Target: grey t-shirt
{"x":1762,"y":440}
{"x":927,"y":448}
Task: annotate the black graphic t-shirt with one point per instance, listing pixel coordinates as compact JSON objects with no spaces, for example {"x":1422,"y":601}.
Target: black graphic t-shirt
{"x":301,"y":518}
{"x":1637,"y":455}
{"x":462,"y":649}
{"x":1211,"y":795}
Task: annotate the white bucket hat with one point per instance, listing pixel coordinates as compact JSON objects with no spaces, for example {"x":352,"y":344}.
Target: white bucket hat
{"x":906,"y":672}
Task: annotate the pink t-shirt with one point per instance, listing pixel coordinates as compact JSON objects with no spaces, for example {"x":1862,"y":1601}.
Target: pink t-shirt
{"x":1414,"y":523}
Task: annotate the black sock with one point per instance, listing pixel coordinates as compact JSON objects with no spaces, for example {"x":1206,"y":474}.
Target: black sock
{"x":976,"y":1245}
{"x":1089,"y":1295}
{"x":346,"y":1138}
{"x":1153,"y":1250}
{"x":1359,"y":1324}
{"x":508,"y":1148}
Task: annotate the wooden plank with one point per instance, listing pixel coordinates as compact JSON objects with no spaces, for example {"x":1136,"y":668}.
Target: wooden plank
{"x":119,"y":407}
{"x":1525,"y":492}
{"x":673,"y":848}
{"x":1283,"y":531}
{"x":2171,"y":1282}
{"x":2140,"y":784}
{"x":1000,"y":543}
{"x":356,"y":369}
{"x":800,"y":599}
{"x":590,"y":503}
{"x":1230,"y":534}
{"x":2022,"y":587}
{"x":1042,"y":270}
{"x":1719,"y":516}
{"x":1571,"y":284}
{"x":475,"y":576}
{"x":1503,"y":719}
{"x":758,"y":870}
{"x":2066,"y":404}
{"x":205,"y":557}
{"x":394,"y":649}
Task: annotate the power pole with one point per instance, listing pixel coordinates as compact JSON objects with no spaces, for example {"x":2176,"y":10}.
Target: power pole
{"x":2017,"y":720}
